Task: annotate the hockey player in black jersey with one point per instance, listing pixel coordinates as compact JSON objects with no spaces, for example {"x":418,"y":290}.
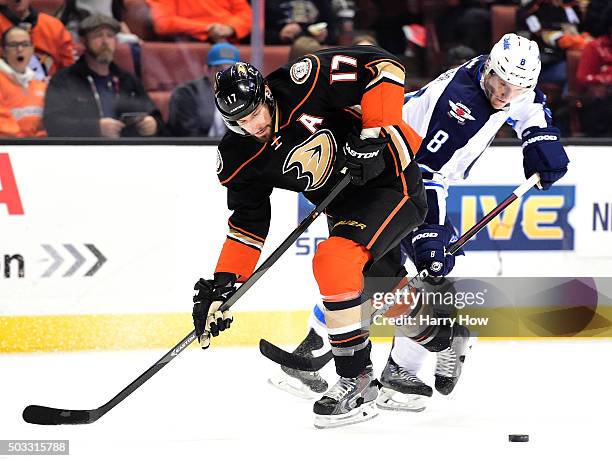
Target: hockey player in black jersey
{"x":482,"y":95}
{"x":296,"y":130}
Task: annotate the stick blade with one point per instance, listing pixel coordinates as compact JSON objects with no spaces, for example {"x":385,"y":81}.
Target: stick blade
{"x":291,"y":360}
{"x":47,"y":416}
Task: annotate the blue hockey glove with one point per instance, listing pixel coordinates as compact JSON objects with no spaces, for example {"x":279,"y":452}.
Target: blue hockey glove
{"x":543,"y":153}
{"x":429,"y":243}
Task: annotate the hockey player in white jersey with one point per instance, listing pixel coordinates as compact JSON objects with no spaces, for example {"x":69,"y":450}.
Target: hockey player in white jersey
{"x":458,"y":115}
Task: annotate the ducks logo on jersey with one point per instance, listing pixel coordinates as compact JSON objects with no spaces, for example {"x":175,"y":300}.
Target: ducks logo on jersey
{"x":313,"y":159}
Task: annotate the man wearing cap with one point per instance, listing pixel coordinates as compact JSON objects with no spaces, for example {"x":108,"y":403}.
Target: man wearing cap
{"x":192,"y":105}
{"x":94,"y":97}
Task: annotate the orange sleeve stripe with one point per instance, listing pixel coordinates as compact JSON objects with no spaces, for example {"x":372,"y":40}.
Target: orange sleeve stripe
{"x":244,"y":164}
{"x":382,"y":105}
{"x":250,"y":234}
{"x":353,"y":112}
{"x":413,"y":138}
{"x":399,"y":171}
{"x":309,"y":91}
{"x":237,"y":258}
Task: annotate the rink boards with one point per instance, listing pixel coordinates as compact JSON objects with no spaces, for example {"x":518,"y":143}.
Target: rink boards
{"x":101,"y":245}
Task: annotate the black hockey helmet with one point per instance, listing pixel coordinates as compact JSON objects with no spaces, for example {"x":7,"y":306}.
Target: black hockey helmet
{"x":238,"y":91}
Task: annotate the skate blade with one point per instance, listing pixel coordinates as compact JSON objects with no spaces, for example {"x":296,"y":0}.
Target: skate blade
{"x":293,"y":386}
{"x":365,"y":412}
{"x":396,"y":401}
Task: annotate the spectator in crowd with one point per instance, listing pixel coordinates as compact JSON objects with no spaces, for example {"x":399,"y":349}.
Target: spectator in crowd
{"x":53,"y":47}
{"x":286,"y":20}
{"x":202,"y":20}
{"x":192,"y":104}
{"x":302,"y":46}
{"x":594,"y":74}
{"x":467,"y":23}
{"x":553,"y":24}
{"x":364,"y":39}
{"x":73,"y":12}
{"x":457,"y":56}
{"x":387,"y":19}
{"x":21,"y":95}
{"x":71,"y":16}
{"x":594,"y":13}
{"x":94,"y":97}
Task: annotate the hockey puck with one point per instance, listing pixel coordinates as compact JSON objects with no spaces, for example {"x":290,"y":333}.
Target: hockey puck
{"x":518,"y":438}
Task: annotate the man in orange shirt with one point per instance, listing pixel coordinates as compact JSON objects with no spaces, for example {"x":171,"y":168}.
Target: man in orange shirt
{"x":53,"y":47}
{"x":202,"y":20}
{"x":21,"y":95}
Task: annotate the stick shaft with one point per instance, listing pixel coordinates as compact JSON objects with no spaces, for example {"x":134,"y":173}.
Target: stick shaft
{"x":261,"y":270}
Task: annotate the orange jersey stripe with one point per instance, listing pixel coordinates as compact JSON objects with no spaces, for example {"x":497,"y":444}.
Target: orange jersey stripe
{"x":245,"y":164}
{"x":386,"y":223}
{"x":309,"y":91}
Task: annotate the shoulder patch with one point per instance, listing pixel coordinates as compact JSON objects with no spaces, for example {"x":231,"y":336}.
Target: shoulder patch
{"x":300,"y":71}
{"x":219,"y":162}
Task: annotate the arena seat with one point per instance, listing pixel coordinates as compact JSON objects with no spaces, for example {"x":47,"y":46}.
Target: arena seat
{"x":574,"y":91}
{"x":572,"y":58}
{"x":503,"y":21}
{"x":46,"y":6}
{"x":167,"y":64}
{"x":123,"y":58}
{"x":274,"y":56}
{"x":162,"y":100}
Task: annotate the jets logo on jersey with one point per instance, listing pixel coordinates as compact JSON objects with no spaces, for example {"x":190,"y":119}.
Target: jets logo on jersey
{"x":313,"y":159}
{"x":300,"y":71}
{"x":460,"y":112}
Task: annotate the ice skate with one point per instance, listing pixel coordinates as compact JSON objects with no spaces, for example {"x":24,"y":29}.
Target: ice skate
{"x":349,"y":401}
{"x":402,"y":390}
{"x":303,"y":384}
{"x":449,"y":362}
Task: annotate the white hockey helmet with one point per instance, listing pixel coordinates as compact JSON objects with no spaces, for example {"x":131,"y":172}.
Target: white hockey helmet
{"x":516,"y":60}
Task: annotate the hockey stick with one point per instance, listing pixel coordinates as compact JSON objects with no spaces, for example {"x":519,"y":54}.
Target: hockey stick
{"x":303,"y":363}
{"x":36,"y":414}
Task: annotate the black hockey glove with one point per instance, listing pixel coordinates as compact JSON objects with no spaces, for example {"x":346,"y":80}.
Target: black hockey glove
{"x":211,"y":294}
{"x":364,"y":157}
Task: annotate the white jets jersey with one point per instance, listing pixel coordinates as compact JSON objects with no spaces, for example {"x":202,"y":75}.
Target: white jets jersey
{"x":457,"y":123}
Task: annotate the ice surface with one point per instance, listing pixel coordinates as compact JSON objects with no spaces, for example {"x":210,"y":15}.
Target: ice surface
{"x":216,"y":404}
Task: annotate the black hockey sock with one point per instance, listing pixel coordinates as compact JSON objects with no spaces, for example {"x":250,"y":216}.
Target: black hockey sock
{"x":351,"y":366}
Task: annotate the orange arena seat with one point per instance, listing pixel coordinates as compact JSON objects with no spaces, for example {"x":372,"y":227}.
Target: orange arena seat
{"x":123,"y":58}
{"x":503,"y":21}
{"x":167,"y":64}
